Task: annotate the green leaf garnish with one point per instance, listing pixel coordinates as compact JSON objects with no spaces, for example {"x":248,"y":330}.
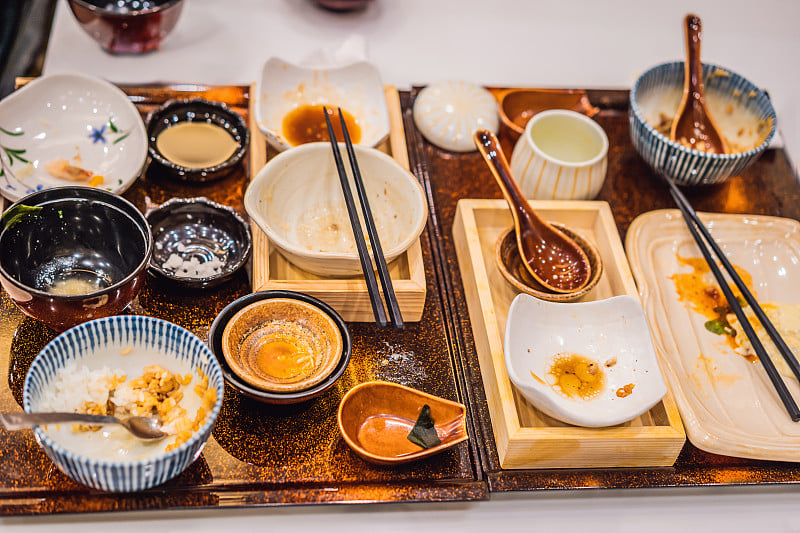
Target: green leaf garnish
{"x":15,"y":214}
{"x":424,"y":433}
{"x":720,"y":326}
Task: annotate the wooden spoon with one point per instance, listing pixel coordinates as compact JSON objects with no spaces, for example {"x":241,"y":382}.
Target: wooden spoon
{"x":552,"y":258}
{"x":693,"y":125}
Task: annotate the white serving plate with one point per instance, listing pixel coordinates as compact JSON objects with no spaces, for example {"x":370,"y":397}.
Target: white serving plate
{"x":614,"y":329}
{"x":63,"y":116}
{"x":727,"y":404}
{"x":356,"y":88}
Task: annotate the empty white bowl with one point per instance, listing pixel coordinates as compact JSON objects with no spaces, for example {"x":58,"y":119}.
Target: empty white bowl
{"x":297,"y":200}
{"x":356,"y":88}
{"x":613,"y":333}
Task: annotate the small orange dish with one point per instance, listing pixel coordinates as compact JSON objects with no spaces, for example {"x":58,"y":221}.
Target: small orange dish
{"x":517,"y":106}
{"x":282,"y":344}
{"x":376,"y":417}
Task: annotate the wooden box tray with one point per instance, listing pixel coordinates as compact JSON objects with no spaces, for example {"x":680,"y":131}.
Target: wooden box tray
{"x":525,"y":437}
{"x":257,"y":454}
{"x":349,"y":296}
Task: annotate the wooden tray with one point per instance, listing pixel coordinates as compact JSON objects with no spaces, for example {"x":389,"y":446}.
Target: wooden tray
{"x":769,"y":187}
{"x":257,"y":454}
{"x":349,"y":296}
{"x":525,"y":437}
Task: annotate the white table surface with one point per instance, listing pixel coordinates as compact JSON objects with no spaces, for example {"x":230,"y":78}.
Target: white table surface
{"x":583,"y":43}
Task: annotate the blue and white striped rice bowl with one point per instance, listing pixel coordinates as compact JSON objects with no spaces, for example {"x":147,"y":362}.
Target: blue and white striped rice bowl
{"x":660,"y":89}
{"x":91,"y":343}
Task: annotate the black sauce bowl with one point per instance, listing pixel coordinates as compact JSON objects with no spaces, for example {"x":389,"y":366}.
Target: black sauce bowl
{"x":78,"y":232}
{"x":215,"y":343}
{"x":174,"y":112}
{"x":202,"y":229}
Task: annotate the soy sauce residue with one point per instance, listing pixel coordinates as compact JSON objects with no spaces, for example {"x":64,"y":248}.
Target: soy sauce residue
{"x":306,"y":124}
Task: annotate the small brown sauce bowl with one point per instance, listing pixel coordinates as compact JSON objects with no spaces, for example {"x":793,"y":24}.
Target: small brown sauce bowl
{"x":511,"y":267}
{"x":376,"y":417}
{"x":282,"y":344}
{"x":517,"y":106}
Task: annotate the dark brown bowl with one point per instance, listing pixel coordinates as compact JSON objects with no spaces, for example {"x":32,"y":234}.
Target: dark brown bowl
{"x":135,"y":27}
{"x":375,"y":418}
{"x":517,"y":106}
{"x":80,"y":235}
{"x":177,"y":111}
{"x":511,"y":267}
{"x":215,"y":343}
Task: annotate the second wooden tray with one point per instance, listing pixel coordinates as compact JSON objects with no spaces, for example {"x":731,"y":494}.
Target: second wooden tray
{"x":349,"y":296}
{"x":526,"y":437}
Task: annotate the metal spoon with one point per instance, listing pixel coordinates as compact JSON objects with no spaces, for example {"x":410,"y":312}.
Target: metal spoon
{"x":693,"y":125}
{"x":552,"y":258}
{"x":144,"y":427}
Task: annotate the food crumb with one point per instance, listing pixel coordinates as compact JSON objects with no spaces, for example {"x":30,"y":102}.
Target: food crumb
{"x":622,"y":392}
{"x":126,"y":351}
{"x":611,"y":362}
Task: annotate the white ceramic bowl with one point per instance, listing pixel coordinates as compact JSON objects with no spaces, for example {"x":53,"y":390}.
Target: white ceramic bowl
{"x":561,"y":155}
{"x":612,"y":332}
{"x":84,"y":120}
{"x":128,"y":343}
{"x":356,"y":88}
{"x":297,"y":200}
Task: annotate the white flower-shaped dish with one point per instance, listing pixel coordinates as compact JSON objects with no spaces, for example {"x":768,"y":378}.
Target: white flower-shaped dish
{"x":356,"y":88}
{"x":448,"y":113}
{"x":612,"y":332}
{"x":86,"y":121}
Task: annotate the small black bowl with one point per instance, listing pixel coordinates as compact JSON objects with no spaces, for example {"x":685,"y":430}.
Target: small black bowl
{"x":80,"y":235}
{"x":215,"y":343}
{"x":175,"y":112}
{"x":197,"y":228}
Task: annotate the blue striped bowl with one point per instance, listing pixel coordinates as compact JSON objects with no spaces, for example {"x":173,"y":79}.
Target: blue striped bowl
{"x":682,"y":164}
{"x":96,"y":344}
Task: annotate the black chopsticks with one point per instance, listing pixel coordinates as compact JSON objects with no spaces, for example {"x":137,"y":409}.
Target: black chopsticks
{"x":361,"y":245}
{"x":702,"y":236}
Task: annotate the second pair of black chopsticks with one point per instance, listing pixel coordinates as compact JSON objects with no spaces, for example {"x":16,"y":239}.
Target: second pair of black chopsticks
{"x":363,"y":251}
{"x":701,"y":236}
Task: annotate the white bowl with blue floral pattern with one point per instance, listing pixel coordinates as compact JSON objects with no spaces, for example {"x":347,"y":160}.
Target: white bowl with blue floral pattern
{"x":77,"y":120}
{"x":742,"y":112}
{"x":130,"y":343}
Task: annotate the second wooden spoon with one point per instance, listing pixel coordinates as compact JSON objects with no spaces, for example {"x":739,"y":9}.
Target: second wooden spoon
{"x":552,"y":258}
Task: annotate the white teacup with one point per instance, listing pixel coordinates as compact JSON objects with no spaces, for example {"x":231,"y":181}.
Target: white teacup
{"x":562,"y":155}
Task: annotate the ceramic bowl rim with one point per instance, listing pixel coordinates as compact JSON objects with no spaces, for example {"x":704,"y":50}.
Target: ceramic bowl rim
{"x":166,"y":210}
{"x":145,"y":227}
{"x":201,"y":434}
{"x":189,"y":173}
{"x":572,"y":115}
{"x":637,"y":112}
{"x":132,"y":13}
{"x":313,"y":379}
{"x":316,"y":148}
{"x":218,"y":325}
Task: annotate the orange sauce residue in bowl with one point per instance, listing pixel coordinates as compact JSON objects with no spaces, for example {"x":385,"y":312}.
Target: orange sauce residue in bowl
{"x":306,"y":124}
{"x":577,"y":376}
{"x":280,"y":357}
